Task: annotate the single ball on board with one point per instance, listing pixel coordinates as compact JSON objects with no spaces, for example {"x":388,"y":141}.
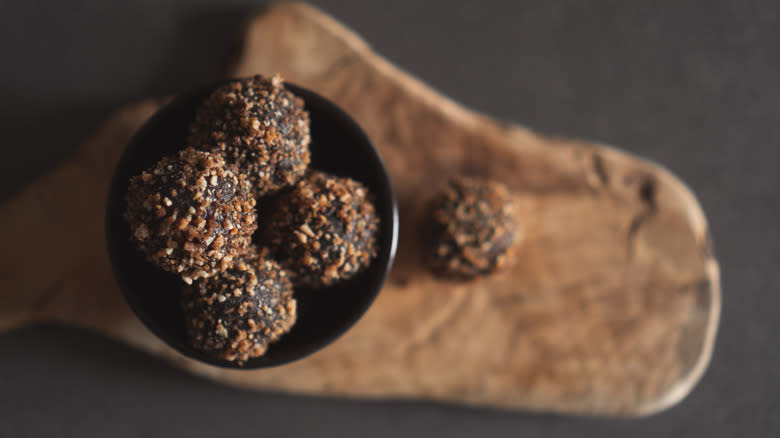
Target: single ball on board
{"x":190,"y":214}
{"x":324,"y":230}
{"x":236,"y":314}
{"x":258,"y":125}
{"x":472,"y":228}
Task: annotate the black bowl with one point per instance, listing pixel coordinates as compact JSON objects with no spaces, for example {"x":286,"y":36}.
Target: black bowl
{"x":339,"y":147}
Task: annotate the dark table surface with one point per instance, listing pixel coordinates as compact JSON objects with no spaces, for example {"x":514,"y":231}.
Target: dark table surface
{"x":693,"y":85}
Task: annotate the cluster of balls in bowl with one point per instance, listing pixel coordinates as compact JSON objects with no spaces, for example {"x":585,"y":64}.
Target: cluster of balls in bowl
{"x":194,"y":214}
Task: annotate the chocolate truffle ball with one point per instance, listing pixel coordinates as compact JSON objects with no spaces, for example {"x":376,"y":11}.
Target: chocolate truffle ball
{"x":258,"y":125}
{"x":324,"y":230}
{"x":191,"y":214}
{"x":472,"y":228}
{"x":235,"y":314}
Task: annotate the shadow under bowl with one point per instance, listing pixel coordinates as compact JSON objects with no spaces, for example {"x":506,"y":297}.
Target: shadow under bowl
{"x":339,"y":146}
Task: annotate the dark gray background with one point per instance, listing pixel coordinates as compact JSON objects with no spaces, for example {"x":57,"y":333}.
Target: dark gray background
{"x":693,"y":85}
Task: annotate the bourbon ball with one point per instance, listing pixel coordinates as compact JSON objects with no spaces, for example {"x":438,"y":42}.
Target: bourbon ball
{"x":190,"y":214}
{"x":324,"y":230}
{"x":258,"y":125}
{"x":471,"y":228}
{"x":236,"y":314}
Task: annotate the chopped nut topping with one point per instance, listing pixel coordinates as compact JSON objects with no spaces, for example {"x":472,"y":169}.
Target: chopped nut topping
{"x":258,"y":125}
{"x":322,"y":241}
{"x":471,"y":229}
{"x":172,"y":231}
{"x":142,"y":232}
{"x":232,"y":325}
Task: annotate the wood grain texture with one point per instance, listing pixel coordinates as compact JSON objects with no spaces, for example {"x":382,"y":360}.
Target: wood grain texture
{"x":610,"y":307}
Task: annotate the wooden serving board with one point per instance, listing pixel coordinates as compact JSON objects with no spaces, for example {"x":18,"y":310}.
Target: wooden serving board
{"x":610,"y":308}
